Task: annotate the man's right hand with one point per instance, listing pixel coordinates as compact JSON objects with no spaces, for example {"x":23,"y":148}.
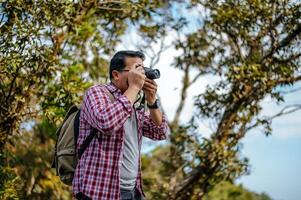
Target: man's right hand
{"x":136,"y":78}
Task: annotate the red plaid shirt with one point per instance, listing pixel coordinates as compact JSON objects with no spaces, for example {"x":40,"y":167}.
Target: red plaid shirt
{"x":97,"y":173}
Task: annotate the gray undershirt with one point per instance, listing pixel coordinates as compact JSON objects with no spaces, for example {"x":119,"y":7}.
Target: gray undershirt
{"x":130,"y":161}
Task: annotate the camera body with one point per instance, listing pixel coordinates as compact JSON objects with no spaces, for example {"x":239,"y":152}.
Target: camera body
{"x":152,"y":73}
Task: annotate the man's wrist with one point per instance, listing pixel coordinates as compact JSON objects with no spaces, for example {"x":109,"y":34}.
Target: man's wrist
{"x":151,"y":102}
{"x":134,"y":88}
{"x":153,"y":105}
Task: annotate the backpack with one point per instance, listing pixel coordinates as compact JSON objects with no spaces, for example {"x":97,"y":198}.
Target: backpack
{"x":65,"y":157}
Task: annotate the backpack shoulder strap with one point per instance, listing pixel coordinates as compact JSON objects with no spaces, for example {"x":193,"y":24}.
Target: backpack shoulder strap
{"x":109,"y":94}
{"x":86,"y":143}
{"x":94,"y":130}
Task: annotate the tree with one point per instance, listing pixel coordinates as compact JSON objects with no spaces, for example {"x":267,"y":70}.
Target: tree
{"x":253,"y":46}
{"x":155,"y":183}
{"x":50,"y":52}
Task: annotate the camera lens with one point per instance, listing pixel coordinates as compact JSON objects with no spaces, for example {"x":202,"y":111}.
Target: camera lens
{"x":152,"y":73}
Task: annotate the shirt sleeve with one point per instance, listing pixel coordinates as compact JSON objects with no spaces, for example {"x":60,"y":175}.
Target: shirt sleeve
{"x":102,"y":114}
{"x":153,"y":131}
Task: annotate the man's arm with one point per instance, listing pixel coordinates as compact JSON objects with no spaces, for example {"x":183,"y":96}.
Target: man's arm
{"x":101,"y":113}
{"x":156,"y":116}
{"x":151,"y":129}
{"x":109,"y":117}
{"x":150,"y":90}
{"x":155,"y":124}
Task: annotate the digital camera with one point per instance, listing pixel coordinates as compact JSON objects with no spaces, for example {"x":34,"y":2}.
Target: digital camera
{"x":151,"y":73}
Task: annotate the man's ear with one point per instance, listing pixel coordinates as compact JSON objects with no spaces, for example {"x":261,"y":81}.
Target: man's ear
{"x":115,"y":75}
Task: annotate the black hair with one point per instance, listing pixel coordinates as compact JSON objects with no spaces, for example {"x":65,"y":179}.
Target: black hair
{"x":118,"y":60}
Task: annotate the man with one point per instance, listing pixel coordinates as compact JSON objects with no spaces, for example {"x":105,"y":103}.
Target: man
{"x":110,"y":166}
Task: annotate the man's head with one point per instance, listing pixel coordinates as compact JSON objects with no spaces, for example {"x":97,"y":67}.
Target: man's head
{"x":121,"y":63}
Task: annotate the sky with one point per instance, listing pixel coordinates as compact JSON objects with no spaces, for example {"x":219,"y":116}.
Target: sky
{"x":275,"y":161}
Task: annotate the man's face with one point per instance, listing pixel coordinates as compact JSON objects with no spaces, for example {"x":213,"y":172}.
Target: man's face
{"x":130,"y":63}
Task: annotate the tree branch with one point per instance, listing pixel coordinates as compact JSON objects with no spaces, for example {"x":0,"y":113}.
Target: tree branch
{"x":188,"y":180}
{"x":286,"y":110}
{"x":283,"y":43}
{"x":183,"y":94}
{"x":196,"y":78}
{"x":290,"y":91}
{"x":288,"y":80}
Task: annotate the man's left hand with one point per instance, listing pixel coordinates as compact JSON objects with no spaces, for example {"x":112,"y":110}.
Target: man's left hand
{"x":150,"y":90}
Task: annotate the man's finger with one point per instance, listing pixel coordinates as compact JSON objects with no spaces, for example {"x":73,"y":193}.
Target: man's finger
{"x":148,"y":84}
{"x":140,"y":69}
{"x":151,"y":81}
{"x":150,"y":88}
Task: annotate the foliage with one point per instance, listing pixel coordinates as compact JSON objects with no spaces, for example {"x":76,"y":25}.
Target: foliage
{"x":226,"y":190}
{"x":31,"y":156}
{"x":156,"y":183}
{"x":8,"y":180}
{"x":50,"y":52}
{"x":253,"y":46}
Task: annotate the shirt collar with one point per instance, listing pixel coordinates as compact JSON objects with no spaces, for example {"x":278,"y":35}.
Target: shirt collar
{"x":113,"y":89}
